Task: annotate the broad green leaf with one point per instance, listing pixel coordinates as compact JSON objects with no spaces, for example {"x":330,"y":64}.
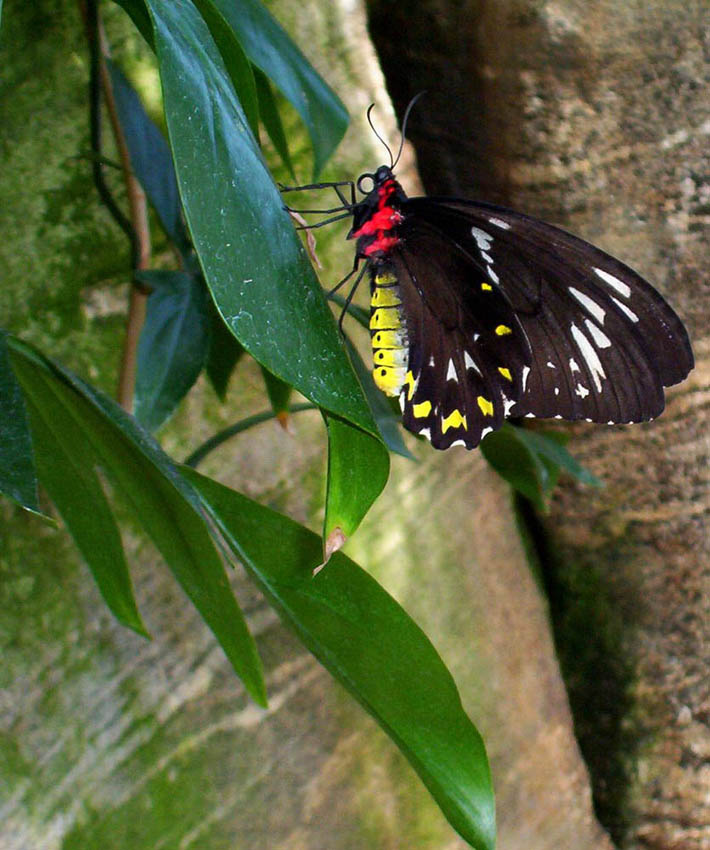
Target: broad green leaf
{"x":66,"y":465}
{"x":150,"y":157}
{"x":269,"y":47}
{"x":173,"y":345}
{"x":253,"y":261}
{"x":161,"y":501}
{"x":269,"y":114}
{"x":235,"y":59}
{"x":224,"y":354}
{"x":357,"y":474}
{"x":370,"y":644}
{"x":18,"y":479}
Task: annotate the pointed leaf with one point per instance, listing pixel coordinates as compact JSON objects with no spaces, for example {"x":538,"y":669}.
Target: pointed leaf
{"x":268,"y":46}
{"x":549,"y":445}
{"x":358,"y":467}
{"x":224,"y":354}
{"x":160,"y":499}
{"x":18,"y":479}
{"x":269,"y":114}
{"x":517,"y":464}
{"x":235,"y":59}
{"x":370,"y":644}
{"x":150,"y":157}
{"x":279,"y":393}
{"x":251,"y":256}
{"x":173,"y":345}
{"x":66,"y":462}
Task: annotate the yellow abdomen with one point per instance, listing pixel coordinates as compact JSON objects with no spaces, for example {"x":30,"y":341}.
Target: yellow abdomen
{"x":388,"y":333}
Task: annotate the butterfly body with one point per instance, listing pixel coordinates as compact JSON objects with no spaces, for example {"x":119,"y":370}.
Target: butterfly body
{"x":479,"y":313}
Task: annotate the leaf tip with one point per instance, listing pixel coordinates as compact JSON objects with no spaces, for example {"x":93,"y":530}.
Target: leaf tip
{"x":333,"y":542}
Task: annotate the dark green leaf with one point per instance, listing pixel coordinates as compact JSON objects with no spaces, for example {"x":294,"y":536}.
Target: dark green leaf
{"x":278,"y":391}
{"x":225,"y":351}
{"x":138,"y":13}
{"x":514,"y":462}
{"x":173,"y":345}
{"x":388,"y":421}
{"x":532,"y":461}
{"x":160,"y":499}
{"x":150,"y":157}
{"x":253,"y":261}
{"x":269,"y":47}
{"x":358,"y":467}
{"x":235,"y":59}
{"x":66,"y":464}
{"x":372,"y":647}
{"x":18,"y":479}
{"x":269,"y":114}
{"x":550,"y":446}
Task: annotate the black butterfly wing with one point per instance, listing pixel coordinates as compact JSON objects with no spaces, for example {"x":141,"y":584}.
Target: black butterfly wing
{"x":466,"y":351}
{"x":602,"y":342}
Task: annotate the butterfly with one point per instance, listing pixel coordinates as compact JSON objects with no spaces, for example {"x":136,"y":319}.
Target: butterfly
{"x":480,"y":313}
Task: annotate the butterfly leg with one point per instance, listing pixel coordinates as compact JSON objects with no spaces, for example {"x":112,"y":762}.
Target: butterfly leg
{"x":352,"y":292}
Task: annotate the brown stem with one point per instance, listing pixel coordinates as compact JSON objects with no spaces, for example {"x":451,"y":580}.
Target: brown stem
{"x":138,"y":214}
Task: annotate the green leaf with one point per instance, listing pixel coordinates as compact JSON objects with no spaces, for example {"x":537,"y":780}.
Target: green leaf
{"x":269,"y":114}
{"x":370,"y":644}
{"x":279,"y":393}
{"x":358,"y":467}
{"x":66,"y":464}
{"x":531,"y":462}
{"x":150,"y":157}
{"x":138,"y":13}
{"x":18,"y":479}
{"x":160,"y":499}
{"x":235,"y":59}
{"x":173,"y":345}
{"x":549,"y":445}
{"x":517,"y":464}
{"x":269,"y":47}
{"x":253,"y":261}
{"x":224,"y":354}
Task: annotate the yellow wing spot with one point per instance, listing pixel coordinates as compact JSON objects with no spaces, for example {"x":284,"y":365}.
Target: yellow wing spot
{"x":485,"y":405}
{"x":505,"y":373}
{"x":422,"y":409}
{"x":385,"y":317}
{"x":486,"y":287}
{"x":385,"y":279}
{"x":455,"y":419}
{"x":385,"y":297}
{"x":502,"y":330}
{"x":411,"y":384}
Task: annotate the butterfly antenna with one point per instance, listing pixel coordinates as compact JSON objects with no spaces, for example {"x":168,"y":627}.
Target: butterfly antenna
{"x":404,"y":125}
{"x":372,"y":126}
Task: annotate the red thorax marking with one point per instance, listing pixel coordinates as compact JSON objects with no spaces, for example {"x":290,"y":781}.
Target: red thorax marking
{"x":382,"y":220}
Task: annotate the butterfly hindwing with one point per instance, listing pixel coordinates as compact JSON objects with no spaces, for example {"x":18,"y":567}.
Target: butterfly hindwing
{"x":467,"y":354}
